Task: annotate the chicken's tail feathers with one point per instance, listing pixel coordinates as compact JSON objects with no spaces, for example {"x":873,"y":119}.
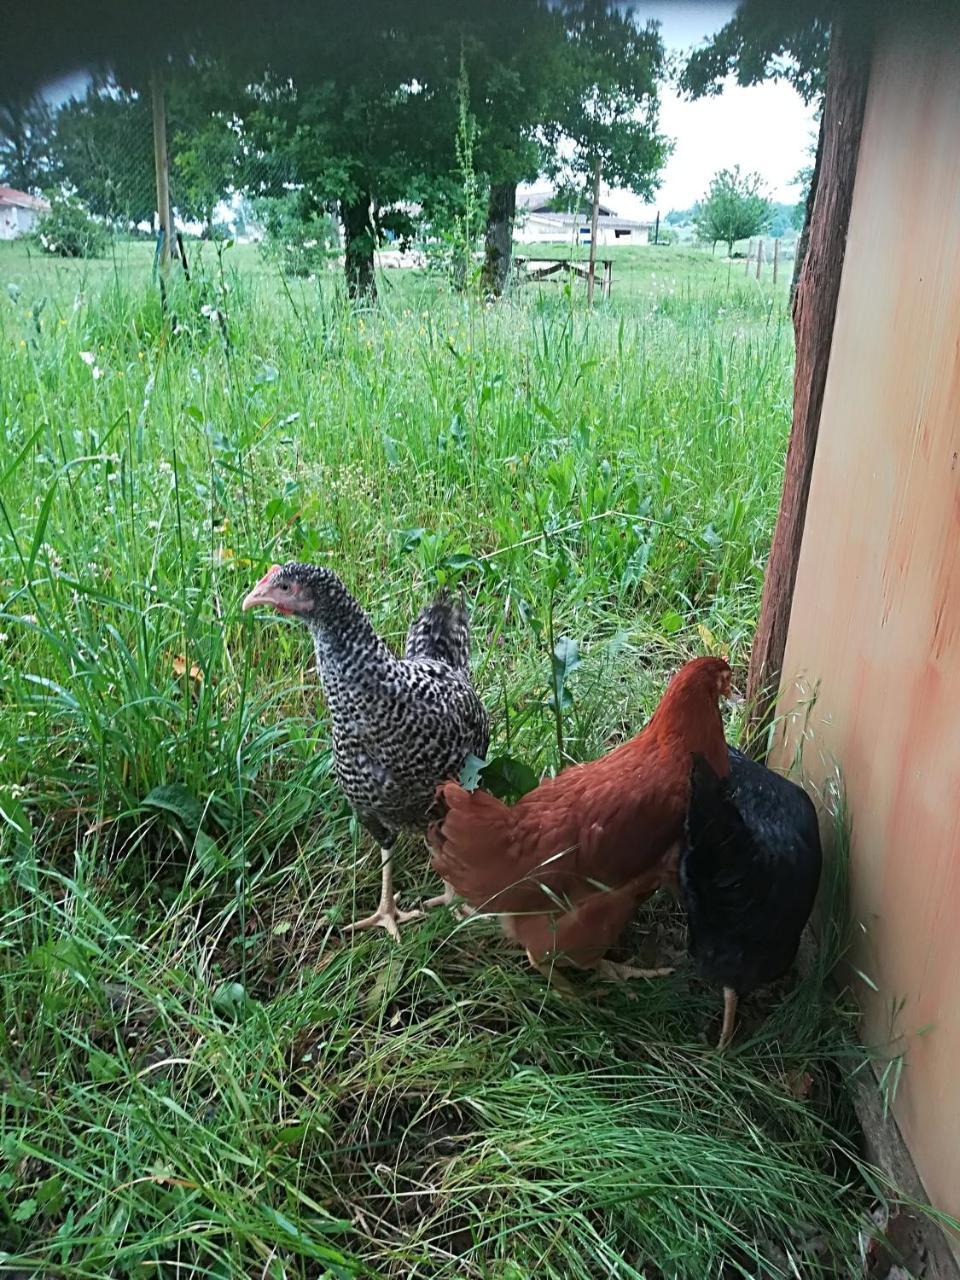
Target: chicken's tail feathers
{"x":471,"y":846}
{"x":442,"y":632}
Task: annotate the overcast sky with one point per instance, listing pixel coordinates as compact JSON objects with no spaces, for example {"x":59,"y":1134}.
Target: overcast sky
{"x":766,"y":127}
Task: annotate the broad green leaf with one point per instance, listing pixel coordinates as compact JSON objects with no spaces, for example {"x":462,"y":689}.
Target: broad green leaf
{"x":671,"y":622}
{"x":178,"y":799}
{"x":508,"y":778}
{"x":566,"y":659}
{"x":25,"y":1210}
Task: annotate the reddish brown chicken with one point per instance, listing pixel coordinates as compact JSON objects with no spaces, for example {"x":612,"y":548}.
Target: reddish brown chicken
{"x":567,"y":865}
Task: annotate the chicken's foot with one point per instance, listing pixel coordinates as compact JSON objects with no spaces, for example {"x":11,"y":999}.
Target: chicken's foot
{"x":387,"y":915}
{"x":447,"y":899}
{"x":729,"y":1017}
{"x":624,"y":972}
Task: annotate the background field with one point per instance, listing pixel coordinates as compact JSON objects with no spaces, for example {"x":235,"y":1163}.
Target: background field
{"x":200,"y":1077}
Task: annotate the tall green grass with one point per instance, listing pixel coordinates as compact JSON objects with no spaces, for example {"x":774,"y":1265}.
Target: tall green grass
{"x":200,"y":1077}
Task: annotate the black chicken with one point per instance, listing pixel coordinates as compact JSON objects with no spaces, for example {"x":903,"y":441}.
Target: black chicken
{"x":749,"y":871}
{"x":401,"y":726}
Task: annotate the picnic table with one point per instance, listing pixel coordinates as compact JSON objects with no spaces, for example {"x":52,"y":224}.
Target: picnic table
{"x":529,"y":268}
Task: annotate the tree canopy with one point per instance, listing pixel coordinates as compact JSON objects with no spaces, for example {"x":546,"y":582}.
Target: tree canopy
{"x":609,"y":112}
{"x":766,"y":39}
{"x":357,"y":111}
{"x":733,"y":208}
{"x":27,"y":126}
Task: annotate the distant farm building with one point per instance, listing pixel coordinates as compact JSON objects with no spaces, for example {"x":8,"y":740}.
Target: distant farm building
{"x":540,"y":222}
{"x":19,"y":212}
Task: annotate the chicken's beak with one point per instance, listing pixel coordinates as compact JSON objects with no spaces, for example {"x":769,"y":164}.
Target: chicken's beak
{"x":260,"y":594}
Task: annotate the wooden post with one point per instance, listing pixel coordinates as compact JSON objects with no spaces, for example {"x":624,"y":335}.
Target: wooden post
{"x":776,"y":258}
{"x":161,"y":163}
{"x":594,"y":222}
{"x":814,"y":313}
{"x":656,"y":229}
{"x":759,"y":256}
{"x":746,"y":265}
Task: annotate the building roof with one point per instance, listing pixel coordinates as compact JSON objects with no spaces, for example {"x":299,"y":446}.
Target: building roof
{"x":536,"y":203}
{"x":21,"y":200}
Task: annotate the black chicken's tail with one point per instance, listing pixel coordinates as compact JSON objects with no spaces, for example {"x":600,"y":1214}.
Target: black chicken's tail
{"x":441,"y":632}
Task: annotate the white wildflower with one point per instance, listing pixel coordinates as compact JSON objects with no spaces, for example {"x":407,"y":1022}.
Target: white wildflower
{"x":88,"y":357}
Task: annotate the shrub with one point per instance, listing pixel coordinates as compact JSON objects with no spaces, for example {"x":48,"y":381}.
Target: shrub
{"x":298,"y":240}
{"x":68,"y":230}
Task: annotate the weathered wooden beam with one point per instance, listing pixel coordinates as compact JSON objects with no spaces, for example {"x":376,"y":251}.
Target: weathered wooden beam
{"x":814,"y":312}
{"x":162,"y":167}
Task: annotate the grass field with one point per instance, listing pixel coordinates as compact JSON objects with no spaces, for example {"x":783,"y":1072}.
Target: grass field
{"x":200,"y":1076}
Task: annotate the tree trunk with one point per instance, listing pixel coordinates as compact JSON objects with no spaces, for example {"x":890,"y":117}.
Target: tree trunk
{"x":358,"y":235}
{"x":804,"y":236}
{"x":501,"y":211}
{"x":594,"y":223}
{"x":814,"y":312}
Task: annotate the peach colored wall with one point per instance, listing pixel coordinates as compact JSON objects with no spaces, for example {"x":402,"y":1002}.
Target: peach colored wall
{"x":876,"y":613}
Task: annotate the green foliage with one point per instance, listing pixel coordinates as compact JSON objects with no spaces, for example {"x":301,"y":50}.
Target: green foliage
{"x":680,"y":217}
{"x":515,"y":53}
{"x":296,"y":238}
{"x":205,"y":168}
{"x":783,"y":218}
{"x":452,"y":224}
{"x":67,"y":229}
{"x":104,"y":153}
{"x":27,"y":158}
{"x":769,"y":39}
{"x":733,"y":208}
{"x":610,"y":106}
{"x":664,"y":236}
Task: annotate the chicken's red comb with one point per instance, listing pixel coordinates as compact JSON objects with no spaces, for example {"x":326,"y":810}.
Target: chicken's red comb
{"x":269,"y":574}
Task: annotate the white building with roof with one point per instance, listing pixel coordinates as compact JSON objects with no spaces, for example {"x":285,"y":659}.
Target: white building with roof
{"x":19,"y":212}
{"x":538,"y":222}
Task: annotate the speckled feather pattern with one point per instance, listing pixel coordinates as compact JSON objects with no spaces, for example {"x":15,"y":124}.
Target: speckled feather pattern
{"x":401,"y":726}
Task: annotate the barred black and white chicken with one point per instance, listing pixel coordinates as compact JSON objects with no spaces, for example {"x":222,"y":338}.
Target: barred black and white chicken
{"x":401,"y":726}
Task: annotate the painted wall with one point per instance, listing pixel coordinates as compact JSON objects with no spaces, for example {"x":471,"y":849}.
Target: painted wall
{"x":876,"y":612}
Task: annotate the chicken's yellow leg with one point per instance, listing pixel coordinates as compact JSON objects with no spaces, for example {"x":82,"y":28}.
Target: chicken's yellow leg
{"x":623,"y":972}
{"x":729,"y":1016}
{"x":387,"y":915}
